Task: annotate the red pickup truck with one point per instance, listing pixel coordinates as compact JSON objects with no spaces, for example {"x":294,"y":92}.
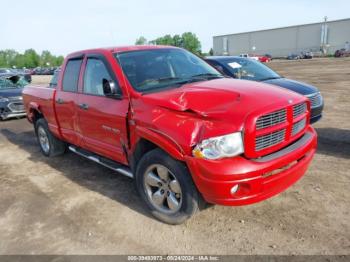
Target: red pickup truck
{"x":185,"y":133}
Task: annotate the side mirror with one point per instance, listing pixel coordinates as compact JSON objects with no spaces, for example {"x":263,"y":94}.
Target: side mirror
{"x":109,"y":88}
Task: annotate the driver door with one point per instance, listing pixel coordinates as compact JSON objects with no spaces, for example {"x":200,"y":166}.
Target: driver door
{"x":102,"y":120}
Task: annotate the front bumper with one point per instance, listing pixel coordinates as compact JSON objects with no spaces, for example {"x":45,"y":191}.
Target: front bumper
{"x":258,"y":179}
{"x":316,"y":113}
{"x":12,"y":115}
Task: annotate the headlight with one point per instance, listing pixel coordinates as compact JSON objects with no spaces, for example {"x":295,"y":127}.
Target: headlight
{"x":3,"y":99}
{"x":220,"y":146}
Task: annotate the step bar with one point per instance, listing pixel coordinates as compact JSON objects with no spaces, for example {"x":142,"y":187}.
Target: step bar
{"x":115,"y":166}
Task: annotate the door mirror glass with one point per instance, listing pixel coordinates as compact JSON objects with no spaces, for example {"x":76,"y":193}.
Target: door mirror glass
{"x":109,"y":87}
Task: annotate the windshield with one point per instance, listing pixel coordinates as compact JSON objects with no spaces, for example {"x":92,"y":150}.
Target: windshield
{"x":12,"y":82}
{"x":158,"y":69}
{"x":249,"y":69}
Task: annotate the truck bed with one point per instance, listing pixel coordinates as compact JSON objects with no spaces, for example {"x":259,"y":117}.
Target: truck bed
{"x":41,"y":97}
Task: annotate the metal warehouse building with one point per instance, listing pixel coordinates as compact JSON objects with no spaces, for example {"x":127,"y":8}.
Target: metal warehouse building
{"x":327,"y":36}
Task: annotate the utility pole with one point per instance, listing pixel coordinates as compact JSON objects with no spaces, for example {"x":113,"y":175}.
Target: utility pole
{"x":324,"y":36}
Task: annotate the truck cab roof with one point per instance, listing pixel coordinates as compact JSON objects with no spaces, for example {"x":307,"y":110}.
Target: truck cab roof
{"x":120,"y":49}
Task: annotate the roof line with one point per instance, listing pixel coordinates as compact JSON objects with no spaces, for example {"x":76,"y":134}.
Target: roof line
{"x":254,"y":31}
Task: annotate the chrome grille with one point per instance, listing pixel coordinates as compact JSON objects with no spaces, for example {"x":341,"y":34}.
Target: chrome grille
{"x":299,"y":109}
{"x":271,"y":119}
{"x":315,"y":100}
{"x":298,"y":126}
{"x":269,"y":139}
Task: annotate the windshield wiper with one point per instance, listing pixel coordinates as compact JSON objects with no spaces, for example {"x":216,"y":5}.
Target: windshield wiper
{"x":270,"y":78}
{"x":207,"y":75}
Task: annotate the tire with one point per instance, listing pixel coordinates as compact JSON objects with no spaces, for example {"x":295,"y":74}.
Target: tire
{"x":178,"y":187}
{"x":50,"y":146}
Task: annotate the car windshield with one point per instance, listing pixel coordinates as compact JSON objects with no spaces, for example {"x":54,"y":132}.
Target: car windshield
{"x":158,"y":69}
{"x":12,"y":82}
{"x":249,"y":69}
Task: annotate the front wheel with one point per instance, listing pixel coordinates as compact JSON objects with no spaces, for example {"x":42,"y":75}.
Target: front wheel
{"x":166,"y":187}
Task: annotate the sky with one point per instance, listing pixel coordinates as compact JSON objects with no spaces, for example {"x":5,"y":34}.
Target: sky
{"x":66,"y":26}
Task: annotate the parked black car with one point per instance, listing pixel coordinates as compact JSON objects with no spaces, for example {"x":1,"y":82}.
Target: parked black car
{"x":306,"y":55}
{"x":11,"y":104}
{"x":249,"y":69}
{"x":293,"y":57}
{"x":44,"y":70}
{"x":5,"y":71}
{"x":341,"y":53}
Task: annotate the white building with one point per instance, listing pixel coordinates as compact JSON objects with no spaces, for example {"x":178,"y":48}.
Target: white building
{"x":328,"y":36}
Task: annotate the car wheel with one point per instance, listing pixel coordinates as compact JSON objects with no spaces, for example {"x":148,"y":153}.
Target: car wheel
{"x":166,"y":186}
{"x":49,"y":144}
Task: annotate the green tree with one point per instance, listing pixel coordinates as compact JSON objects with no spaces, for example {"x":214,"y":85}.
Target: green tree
{"x":46,"y":58}
{"x":177,"y":40}
{"x":141,"y":41}
{"x":187,"y":40}
{"x":164,"y":40}
{"x":211,"y":51}
{"x":32,"y":59}
{"x":8,"y":57}
{"x":58,"y":61}
{"x":19,"y":61}
{"x":3,"y":61}
{"x":191,"y":42}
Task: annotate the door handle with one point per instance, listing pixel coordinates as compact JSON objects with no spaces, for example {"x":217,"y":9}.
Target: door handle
{"x":84,"y":106}
{"x":60,"y":101}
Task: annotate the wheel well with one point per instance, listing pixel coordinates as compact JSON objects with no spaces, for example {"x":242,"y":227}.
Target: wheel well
{"x":142,"y":147}
{"x":36,"y":115}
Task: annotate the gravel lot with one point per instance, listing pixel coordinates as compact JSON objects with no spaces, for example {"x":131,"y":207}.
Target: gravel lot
{"x":69,"y":205}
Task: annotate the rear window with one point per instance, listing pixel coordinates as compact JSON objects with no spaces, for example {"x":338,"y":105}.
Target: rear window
{"x":71,"y":75}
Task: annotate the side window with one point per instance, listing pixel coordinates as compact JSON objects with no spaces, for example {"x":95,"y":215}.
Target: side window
{"x":71,"y":75}
{"x":95,"y":73}
{"x":54,"y":79}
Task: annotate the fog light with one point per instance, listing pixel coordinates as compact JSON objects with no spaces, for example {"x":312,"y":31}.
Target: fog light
{"x":234,"y":189}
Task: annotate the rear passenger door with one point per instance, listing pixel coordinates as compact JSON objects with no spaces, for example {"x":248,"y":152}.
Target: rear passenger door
{"x":102,"y":120}
{"x":66,"y":101}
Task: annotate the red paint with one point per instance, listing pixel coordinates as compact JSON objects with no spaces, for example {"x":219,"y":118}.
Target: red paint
{"x":176,"y":120}
{"x":264,"y":59}
{"x":261,"y":58}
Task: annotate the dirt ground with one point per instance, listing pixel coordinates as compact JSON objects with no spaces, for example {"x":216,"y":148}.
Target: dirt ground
{"x":69,"y":205}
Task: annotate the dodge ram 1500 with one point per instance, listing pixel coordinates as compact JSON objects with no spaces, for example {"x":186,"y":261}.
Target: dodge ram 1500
{"x":185,"y":133}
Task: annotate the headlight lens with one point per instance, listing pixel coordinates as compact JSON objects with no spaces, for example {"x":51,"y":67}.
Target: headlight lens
{"x":3,"y":99}
{"x":220,"y":147}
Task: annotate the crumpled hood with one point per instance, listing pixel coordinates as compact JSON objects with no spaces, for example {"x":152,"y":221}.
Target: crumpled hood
{"x":221,"y":97}
{"x":296,"y":86}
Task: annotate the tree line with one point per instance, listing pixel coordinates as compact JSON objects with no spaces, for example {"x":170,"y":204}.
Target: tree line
{"x":10,"y":58}
{"x":187,"y":40}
